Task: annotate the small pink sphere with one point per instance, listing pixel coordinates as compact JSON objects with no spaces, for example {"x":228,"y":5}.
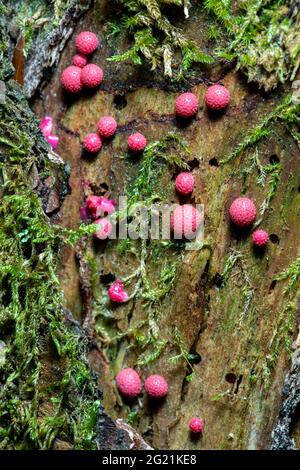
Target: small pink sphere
{"x":71,"y":79}
{"x":137,"y":142}
{"x":260,"y":237}
{"x":117,"y":293}
{"x":92,"y":143}
{"x":79,"y":60}
{"x":107,"y":126}
{"x":196,"y":425}
{"x":185,"y":221}
{"x":129,"y":383}
{"x":242,"y":212}
{"x":186,"y":105}
{"x":156,"y":386}
{"x":217,"y":97}
{"x":105,"y":229}
{"x":86,"y":42}
{"x":91,"y":76}
{"x":185,"y":182}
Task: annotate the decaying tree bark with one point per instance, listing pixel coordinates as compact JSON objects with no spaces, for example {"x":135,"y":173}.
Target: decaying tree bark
{"x":218,"y":322}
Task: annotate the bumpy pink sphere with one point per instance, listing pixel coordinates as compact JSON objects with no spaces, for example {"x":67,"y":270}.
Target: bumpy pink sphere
{"x":242,"y":212}
{"x":71,"y":79}
{"x":196,"y":425}
{"x":186,"y":105}
{"x":185,"y":221}
{"x":129,"y":383}
{"x":260,"y":237}
{"x":86,"y":42}
{"x":91,"y":76}
{"x":105,"y":229}
{"x":137,"y":142}
{"x":92,"y":143}
{"x":79,"y":60}
{"x":117,"y":292}
{"x":107,"y":126}
{"x":217,"y":97}
{"x":156,"y":386}
{"x":185,"y":182}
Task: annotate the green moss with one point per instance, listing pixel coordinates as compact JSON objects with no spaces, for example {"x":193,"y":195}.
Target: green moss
{"x":156,"y":40}
{"x":39,"y":345}
{"x":263,"y":38}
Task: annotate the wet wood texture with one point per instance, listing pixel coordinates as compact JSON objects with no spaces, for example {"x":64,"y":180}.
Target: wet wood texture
{"x":234,"y":392}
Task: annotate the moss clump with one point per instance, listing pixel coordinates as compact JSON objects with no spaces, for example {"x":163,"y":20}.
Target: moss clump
{"x":156,"y":40}
{"x":47,"y":391}
{"x":263,"y":38}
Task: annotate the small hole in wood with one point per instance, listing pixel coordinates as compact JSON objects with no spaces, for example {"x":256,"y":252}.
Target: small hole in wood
{"x":218,"y":280}
{"x":107,"y":278}
{"x":230,"y":377}
{"x":214,"y":162}
{"x":274,"y":159}
{"x":120,"y":101}
{"x":274,"y":238}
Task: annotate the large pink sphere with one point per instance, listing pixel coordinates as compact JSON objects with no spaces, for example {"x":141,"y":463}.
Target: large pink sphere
{"x":92,"y":143}
{"x":129,"y":383}
{"x":107,"y":126}
{"x":137,"y":142}
{"x":185,"y":221}
{"x":71,"y":79}
{"x":91,"y":76}
{"x":186,"y":105}
{"x":86,"y":42}
{"x":156,"y":386}
{"x":185,"y":182}
{"x":217,"y":97}
{"x":242,"y":212}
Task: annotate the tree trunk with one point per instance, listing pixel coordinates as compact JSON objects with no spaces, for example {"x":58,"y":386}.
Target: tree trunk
{"x":220,"y":323}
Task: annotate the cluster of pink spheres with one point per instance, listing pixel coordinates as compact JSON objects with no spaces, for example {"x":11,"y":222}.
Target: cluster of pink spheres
{"x":242,"y":213}
{"x":129,"y":384}
{"x":83,"y":75}
{"x":185,"y":219}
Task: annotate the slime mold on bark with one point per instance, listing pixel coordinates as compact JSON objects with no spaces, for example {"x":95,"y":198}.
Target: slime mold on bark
{"x":107,"y":126}
{"x":260,"y":237}
{"x":117,"y":292}
{"x":185,"y":220}
{"x":185,"y":183}
{"x":129,"y":383}
{"x":242,"y":212}
{"x":136,"y":142}
{"x":91,"y":76}
{"x":196,"y":425}
{"x":86,"y":42}
{"x":156,"y":386}
{"x":186,"y":105}
{"x":92,"y":143}
{"x":217,"y":97}
{"x":71,"y":79}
